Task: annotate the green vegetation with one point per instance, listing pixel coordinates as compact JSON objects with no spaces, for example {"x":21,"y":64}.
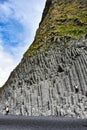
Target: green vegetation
{"x":74,"y":32}
{"x":67,"y":18}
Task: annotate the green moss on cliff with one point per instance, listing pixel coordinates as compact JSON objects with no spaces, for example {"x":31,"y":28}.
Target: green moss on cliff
{"x":62,"y":19}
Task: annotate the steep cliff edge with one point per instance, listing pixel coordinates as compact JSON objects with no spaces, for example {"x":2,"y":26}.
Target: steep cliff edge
{"x":44,"y":82}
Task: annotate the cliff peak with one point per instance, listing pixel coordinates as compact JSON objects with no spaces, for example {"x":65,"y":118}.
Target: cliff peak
{"x":61,"y":18}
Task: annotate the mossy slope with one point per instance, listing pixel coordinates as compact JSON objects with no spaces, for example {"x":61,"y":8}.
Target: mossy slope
{"x":60,"y":19}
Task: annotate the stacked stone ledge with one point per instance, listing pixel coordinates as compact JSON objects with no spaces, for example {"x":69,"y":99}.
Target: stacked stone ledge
{"x":44,"y":85}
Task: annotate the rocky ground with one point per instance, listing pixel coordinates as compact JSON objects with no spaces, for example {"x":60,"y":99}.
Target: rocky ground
{"x":41,"y":123}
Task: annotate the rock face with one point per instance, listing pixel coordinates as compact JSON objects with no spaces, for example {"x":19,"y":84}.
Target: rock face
{"x":45,"y":81}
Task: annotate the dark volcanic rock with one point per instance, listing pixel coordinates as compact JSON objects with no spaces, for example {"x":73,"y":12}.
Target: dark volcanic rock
{"x":51,"y":79}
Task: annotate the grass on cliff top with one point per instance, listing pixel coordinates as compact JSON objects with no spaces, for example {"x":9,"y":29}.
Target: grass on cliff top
{"x":74,"y":32}
{"x":63,"y":19}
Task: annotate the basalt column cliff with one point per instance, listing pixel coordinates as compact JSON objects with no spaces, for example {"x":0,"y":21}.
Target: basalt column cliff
{"x":51,"y":79}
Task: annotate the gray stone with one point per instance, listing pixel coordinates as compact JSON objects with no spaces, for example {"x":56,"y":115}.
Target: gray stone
{"x":37,"y":87}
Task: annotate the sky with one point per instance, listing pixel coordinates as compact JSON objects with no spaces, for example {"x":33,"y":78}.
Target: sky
{"x":19,"y":20}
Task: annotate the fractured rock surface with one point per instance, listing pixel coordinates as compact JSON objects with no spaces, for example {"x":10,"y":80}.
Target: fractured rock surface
{"x":45,"y":84}
{"x":51,"y":79}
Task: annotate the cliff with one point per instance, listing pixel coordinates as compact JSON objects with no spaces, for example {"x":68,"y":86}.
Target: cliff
{"x":45,"y":81}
